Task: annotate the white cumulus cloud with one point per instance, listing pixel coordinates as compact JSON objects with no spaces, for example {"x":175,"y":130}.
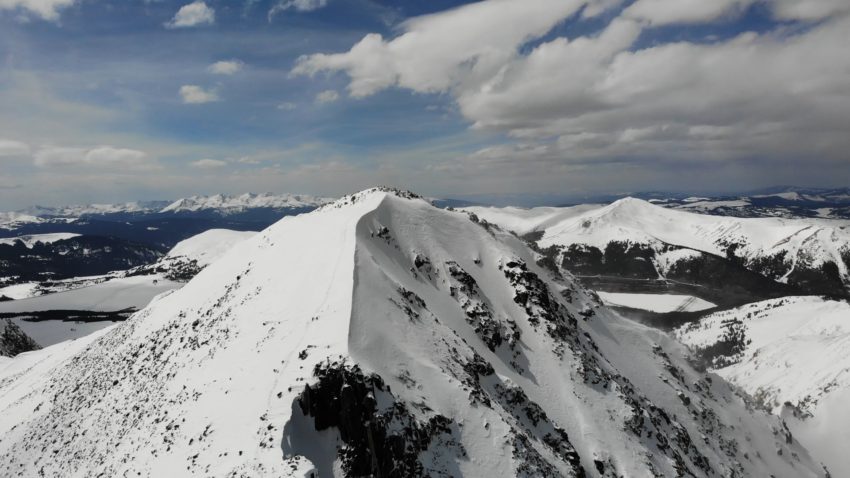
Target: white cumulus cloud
{"x":663,"y":12}
{"x":666,"y":12}
{"x":777,"y":94}
{"x":297,"y":5}
{"x":209,"y":163}
{"x":100,"y":157}
{"x":327,"y":96}
{"x":195,"y":95}
{"x":193,"y":14}
{"x":226,"y":67}
{"x":46,"y":9}
{"x":440,"y":51}
{"x":10,"y":148}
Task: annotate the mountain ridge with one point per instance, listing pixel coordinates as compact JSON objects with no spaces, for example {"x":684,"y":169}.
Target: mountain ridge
{"x":456,"y":351}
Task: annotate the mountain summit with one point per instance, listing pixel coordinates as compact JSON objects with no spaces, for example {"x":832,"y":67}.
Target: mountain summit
{"x":379,"y":335}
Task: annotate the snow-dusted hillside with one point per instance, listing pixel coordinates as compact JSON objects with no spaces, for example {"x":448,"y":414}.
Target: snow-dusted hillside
{"x":225,"y":204}
{"x":656,"y":242}
{"x":13,"y":220}
{"x":793,"y":355}
{"x":380,"y":335}
{"x":32,"y":240}
{"x":51,"y":257}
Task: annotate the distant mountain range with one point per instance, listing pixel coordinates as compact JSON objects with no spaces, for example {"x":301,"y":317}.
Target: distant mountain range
{"x":159,"y":223}
{"x":775,"y":202}
{"x":782,"y":201}
{"x":219,"y":205}
{"x":773,"y":270}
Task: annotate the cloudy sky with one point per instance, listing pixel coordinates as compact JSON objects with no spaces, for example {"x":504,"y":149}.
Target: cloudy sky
{"x":110,"y":100}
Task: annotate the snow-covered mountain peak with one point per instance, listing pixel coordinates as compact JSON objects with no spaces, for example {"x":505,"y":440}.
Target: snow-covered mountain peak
{"x":628,"y":211}
{"x":630,"y":203}
{"x":381,"y":335}
{"x":812,"y":253}
{"x":636,"y":211}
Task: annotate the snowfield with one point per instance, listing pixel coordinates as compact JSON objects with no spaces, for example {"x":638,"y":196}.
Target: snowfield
{"x":20,"y":291}
{"x":380,"y":335}
{"x":50,"y":332}
{"x":793,"y":354}
{"x":661,"y":303}
{"x":207,"y":247}
{"x":109,"y":296}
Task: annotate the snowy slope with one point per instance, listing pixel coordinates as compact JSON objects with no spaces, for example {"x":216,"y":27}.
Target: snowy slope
{"x":20,"y":291}
{"x":523,"y":221}
{"x":32,"y":239}
{"x":208,"y":246}
{"x":191,"y":255}
{"x":463,"y":356}
{"x":775,"y":247}
{"x":793,"y":354}
{"x":226,"y":204}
